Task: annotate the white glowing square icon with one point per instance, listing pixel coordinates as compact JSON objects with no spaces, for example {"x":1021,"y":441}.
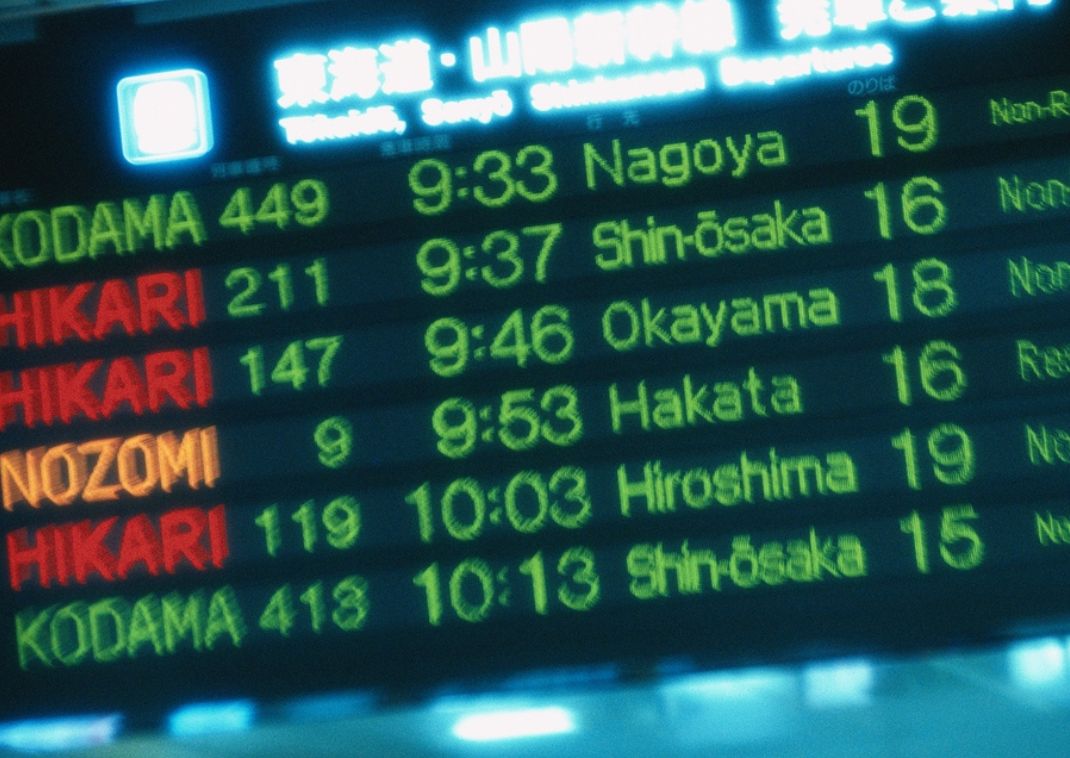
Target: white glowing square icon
{"x":165,"y":116}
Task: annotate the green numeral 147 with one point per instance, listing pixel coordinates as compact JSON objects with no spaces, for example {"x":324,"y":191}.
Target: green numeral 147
{"x":292,"y":368}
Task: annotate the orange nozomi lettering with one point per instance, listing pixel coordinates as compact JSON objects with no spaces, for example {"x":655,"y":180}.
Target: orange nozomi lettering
{"x":104,"y":470}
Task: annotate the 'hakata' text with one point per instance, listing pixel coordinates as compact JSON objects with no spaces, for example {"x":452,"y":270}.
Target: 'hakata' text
{"x":105,"y":469}
{"x":96,"y":390}
{"x":113,"y":549}
{"x":92,"y":311}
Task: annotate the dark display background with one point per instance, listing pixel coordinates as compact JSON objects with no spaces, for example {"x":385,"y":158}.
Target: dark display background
{"x":59,"y":140}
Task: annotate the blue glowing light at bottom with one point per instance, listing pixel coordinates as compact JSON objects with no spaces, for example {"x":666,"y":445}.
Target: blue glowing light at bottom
{"x":53,"y":735}
{"x":212,"y":718}
{"x":521,"y":723}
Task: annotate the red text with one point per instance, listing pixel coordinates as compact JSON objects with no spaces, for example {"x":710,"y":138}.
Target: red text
{"x":97,"y":389}
{"x":115,"y":548}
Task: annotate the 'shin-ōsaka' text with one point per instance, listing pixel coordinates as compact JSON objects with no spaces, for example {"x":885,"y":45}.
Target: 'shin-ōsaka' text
{"x":658,"y":570}
{"x":625,"y":245}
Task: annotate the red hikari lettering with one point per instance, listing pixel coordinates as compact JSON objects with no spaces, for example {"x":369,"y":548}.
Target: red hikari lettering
{"x":195,"y":298}
{"x":23,"y":555}
{"x":141,"y":545}
{"x":116,"y":308}
{"x":16,"y":317}
{"x":92,"y":311}
{"x":90,"y":554}
{"x":159,"y":294}
{"x":125,"y":386}
{"x":166,"y":374}
{"x":202,"y":377}
{"x":27,"y":396}
{"x":67,"y":317}
{"x":183,"y":534}
{"x":217,"y":529}
{"x":115,"y":549}
{"x":72,"y":388}
{"x":69,"y":391}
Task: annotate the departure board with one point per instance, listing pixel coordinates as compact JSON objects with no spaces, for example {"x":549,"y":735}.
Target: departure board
{"x":346,"y":346}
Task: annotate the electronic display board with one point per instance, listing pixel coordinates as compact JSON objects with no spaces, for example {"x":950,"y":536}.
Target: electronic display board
{"x":390,"y":347}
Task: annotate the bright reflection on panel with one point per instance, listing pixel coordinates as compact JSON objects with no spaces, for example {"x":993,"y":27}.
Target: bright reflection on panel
{"x":60,"y":734}
{"x":211,"y":718}
{"x":839,"y":684}
{"x":740,"y":685}
{"x":164,"y":116}
{"x":523,"y":723}
{"x":1038,"y":662}
{"x":746,"y":707}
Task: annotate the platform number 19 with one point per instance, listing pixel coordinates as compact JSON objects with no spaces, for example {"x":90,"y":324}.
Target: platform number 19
{"x":945,"y":454}
{"x":914,"y":118}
